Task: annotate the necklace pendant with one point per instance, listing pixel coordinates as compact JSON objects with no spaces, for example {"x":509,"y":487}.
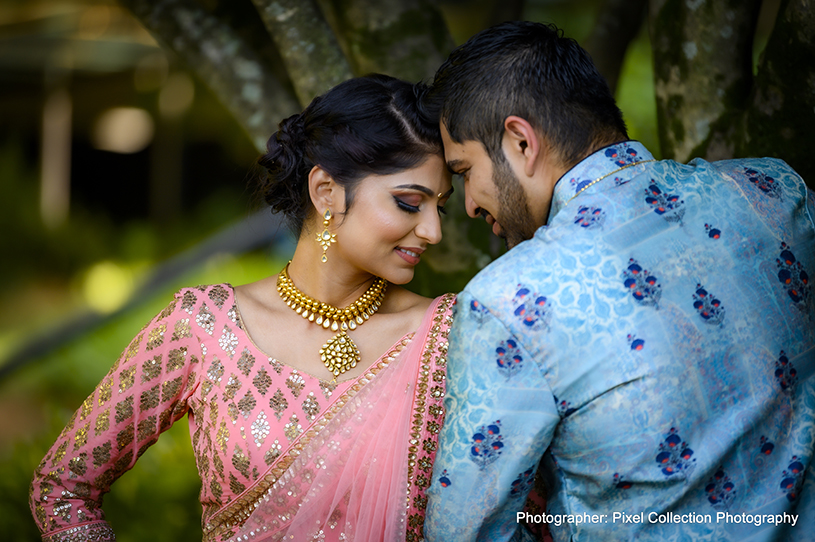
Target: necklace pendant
{"x":339,"y":354}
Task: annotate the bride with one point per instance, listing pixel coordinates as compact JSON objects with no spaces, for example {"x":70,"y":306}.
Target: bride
{"x":315,"y":395}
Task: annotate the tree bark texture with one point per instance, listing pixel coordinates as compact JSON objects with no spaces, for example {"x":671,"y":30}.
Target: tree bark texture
{"x":618,"y":23}
{"x":703,"y":73}
{"x":403,"y":38}
{"x":222,"y":60}
{"x":781,"y":118}
{"x":309,"y":49}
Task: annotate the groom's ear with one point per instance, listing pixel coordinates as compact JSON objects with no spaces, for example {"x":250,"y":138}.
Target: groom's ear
{"x":521,"y":144}
{"x":325,"y":192}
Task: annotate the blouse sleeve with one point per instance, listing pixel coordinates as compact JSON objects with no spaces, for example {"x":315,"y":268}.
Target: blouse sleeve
{"x":142,"y":395}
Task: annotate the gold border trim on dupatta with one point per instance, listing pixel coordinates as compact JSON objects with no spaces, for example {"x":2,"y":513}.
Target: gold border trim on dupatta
{"x":234,"y":514}
{"x":434,"y":358}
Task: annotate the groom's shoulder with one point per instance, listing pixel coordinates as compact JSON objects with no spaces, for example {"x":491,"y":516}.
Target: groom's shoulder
{"x":501,"y":277}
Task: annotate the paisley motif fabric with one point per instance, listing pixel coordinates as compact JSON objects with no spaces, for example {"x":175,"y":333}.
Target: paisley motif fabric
{"x":249,"y":416}
{"x":649,"y":352}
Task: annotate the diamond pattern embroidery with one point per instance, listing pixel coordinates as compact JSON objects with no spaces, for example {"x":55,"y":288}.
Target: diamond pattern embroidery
{"x":218,"y":295}
{"x":278,"y":403}
{"x":247,"y":404}
{"x":205,"y":319}
{"x":188,"y":302}
{"x":262,"y":380}
{"x":260,"y":429}
{"x":295,"y":383}
{"x":228,"y":342}
{"x":246,"y":361}
{"x":292,"y":429}
{"x":311,"y":407}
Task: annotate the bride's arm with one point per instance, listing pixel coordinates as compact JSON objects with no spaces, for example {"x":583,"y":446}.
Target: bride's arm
{"x":145,"y":391}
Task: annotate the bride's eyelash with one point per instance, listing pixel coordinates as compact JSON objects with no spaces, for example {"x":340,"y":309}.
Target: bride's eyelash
{"x":406,"y":206}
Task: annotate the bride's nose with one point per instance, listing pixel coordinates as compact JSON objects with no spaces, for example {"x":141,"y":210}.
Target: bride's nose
{"x":429,"y":227}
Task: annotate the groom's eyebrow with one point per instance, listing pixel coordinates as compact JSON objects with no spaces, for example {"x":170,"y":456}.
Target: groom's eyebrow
{"x":452,"y":165}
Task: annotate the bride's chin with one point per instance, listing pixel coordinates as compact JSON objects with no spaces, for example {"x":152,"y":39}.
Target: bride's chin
{"x":399,"y":278}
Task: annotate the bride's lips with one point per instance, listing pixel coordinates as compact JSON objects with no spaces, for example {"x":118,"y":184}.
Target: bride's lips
{"x":411,"y":255}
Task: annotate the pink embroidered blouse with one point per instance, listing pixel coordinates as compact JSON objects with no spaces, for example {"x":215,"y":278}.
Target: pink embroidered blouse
{"x":248,"y":414}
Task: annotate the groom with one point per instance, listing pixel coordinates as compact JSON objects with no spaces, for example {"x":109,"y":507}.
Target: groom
{"x":643,"y":355}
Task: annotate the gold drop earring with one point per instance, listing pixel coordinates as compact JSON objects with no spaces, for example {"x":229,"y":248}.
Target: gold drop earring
{"x":325,"y":237}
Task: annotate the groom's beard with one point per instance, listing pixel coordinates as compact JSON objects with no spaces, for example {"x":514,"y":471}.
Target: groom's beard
{"x":514,"y":216}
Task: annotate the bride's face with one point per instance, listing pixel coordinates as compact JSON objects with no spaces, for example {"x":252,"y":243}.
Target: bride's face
{"x":393,"y":219}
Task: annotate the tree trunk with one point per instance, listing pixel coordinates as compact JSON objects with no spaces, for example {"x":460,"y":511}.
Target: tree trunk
{"x":309,"y":49}
{"x":223,"y":61}
{"x":782,"y":106}
{"x":403,"y":38}
{"x":703,"y":73}
{"x":618,"y":23}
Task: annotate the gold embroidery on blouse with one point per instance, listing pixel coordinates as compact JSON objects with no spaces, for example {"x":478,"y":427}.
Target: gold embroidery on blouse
{"x":156,"y":337}
{"x":327,"y":388}
{"x":205,"y":319}
{"x":246,"y":361}
{"x":126,"y":379}
{"x":218,"y":294}
{"x":260,"y":429}
{"x":169,"y":389}
{"x":188,"y":301}
{"x":295,"y":383}
{"x":81,"y":437}
{"x":147,"y":428}
{"x":279,"y":403}
{"x":101,"y":455}
{"x":292,"y":429}
{"x":228,"y":341}
{"x":60,"y":453}
{"x":181,"y":330}
{"x":311,"y":407}
{"x":151,"y":368}
{"x":262,"y":380}
{"x":247,"y":404}
{"x":236,"y":513}
{"x":105,"y":392}
{"x":125,"y":437}
{"x":102,"y":422}
{"x":175,"y":359}
{"x":149,"y":399}
{"x":232,"y":387}
{"x":124,"y":409}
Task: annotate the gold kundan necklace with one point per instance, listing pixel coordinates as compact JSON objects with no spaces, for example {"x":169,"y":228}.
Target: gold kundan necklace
{"x":339,"y":354}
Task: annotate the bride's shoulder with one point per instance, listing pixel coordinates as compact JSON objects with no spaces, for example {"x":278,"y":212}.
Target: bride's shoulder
{"x":403,"y":300}
{"x":257,"y":293}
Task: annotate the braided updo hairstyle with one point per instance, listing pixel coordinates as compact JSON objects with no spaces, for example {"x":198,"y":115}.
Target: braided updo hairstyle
{"x":364,"y":126}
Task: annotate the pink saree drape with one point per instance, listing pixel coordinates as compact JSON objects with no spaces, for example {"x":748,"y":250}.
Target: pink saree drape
{"x":360,"y":472}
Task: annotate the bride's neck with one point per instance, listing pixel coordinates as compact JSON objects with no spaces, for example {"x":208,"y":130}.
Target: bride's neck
{"x":335,"y":282}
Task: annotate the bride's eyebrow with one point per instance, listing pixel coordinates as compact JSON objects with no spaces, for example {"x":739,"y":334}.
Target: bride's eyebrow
{"x":418,"y":187}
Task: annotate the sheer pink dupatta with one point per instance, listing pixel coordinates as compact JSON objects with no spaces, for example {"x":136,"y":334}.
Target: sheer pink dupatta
{"x":350,"y":479}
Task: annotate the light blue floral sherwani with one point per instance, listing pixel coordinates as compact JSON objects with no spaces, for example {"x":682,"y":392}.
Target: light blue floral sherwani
{"x":649,"y":355}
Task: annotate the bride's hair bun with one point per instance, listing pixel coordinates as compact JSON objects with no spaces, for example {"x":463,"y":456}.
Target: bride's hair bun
{"x":364,"y":126}
{"x":284,"y":184}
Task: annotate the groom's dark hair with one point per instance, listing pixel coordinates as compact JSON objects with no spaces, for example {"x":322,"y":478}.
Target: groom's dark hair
{"x":529,"y":70}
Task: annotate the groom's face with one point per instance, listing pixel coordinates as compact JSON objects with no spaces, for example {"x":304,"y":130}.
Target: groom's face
{"x":491,"y":189}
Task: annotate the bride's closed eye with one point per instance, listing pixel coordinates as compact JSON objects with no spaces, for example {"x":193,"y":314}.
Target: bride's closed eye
{"x":405,"y":206}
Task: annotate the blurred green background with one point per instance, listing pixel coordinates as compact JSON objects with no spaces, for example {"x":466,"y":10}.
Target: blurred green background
{"x":113,"y":166}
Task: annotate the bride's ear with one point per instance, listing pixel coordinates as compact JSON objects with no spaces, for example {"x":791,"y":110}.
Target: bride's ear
{"x":325,"y":192}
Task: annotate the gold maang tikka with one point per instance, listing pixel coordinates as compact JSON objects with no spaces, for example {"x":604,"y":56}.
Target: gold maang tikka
{"x":325,"y":237}
{"x":339,"y":354}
